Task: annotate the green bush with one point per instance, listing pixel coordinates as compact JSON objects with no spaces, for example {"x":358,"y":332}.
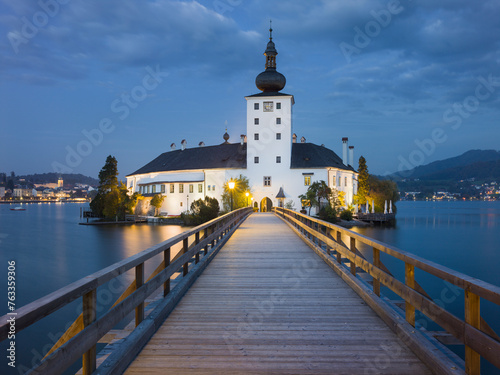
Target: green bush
{"x":328,"y":213}
{"x":346,"y":215}
{"x":204,"y":210}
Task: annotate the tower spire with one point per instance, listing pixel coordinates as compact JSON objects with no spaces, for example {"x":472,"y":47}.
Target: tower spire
{"x":270,"y":80}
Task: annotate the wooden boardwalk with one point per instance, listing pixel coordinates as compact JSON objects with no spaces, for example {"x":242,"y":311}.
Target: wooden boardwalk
{"x":267,"y":304}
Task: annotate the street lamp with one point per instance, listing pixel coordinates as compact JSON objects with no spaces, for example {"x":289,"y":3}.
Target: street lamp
{"x":247,"y":194}
{"x":231,"y":184}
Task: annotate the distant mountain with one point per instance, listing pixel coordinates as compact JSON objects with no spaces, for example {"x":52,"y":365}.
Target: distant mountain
{"x":70,"y":178}
{"x":478,"y":164}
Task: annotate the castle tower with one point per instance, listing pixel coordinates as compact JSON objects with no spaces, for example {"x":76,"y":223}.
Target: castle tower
{"x":269,"y":128}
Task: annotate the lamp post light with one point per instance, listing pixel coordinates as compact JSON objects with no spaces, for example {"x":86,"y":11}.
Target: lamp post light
{"x":247,"y":194}
{"x":231,"y":184}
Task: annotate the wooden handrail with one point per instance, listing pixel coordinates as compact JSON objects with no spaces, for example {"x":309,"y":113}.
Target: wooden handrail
{"x":87,"y":330}
{"x":479,"y":338}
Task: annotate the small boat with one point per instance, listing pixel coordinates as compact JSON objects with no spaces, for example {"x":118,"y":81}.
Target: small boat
{"x":18,"y":208}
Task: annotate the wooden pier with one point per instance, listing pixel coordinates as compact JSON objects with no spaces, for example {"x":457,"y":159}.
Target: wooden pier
{"x":269,"y":293}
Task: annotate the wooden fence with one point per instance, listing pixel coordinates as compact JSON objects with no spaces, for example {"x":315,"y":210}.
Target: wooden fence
{"x":479,"y":338}
{"x":81,"y":338}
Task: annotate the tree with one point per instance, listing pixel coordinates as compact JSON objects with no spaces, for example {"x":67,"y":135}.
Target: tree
{"x":157,"y":201}
{"x":204,"y":210}
{"x":363,"y":182}
{"x":317,"y":191}
{"x":240,"y":200}
{"x":381,"y":191}
{"x":112,"y":199}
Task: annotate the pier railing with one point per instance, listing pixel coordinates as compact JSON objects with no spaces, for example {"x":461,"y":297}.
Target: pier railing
{"x":473,"y":331}
{"x":81,"y":338}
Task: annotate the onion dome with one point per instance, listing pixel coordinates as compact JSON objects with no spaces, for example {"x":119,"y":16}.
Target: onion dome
{"x":270,"y":80}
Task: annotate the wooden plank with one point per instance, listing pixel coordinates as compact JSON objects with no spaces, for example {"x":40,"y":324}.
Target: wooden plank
{"x":139,"y":281}
{"x":410,"y":282}
{"x":376,"y":263}
{"x":166,"y":263}
{"x":248,"y":313}
{"x":472,"y":317}
{"x":89,"y":316}
{"x":353,"y":250}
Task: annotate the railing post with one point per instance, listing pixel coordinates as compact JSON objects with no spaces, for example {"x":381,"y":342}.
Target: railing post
{"x":213,"y":229}
{"x":353,"y":251}
{"x":410,"y":282}
{"x":376,"y":263}
{"x":339,"y":241}
{"x":205,"y":235}
{"x":89,"y":316}
{"x":472,"y":317}
{"x":139,"y":281}
{"x":166,"y":285}
{"x":197,"y":241}
{"x":185,"y":266}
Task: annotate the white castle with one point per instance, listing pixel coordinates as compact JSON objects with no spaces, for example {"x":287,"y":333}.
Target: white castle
{"x":278,"y":167}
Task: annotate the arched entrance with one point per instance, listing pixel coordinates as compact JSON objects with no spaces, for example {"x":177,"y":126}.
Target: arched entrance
{"x":266,"y":205}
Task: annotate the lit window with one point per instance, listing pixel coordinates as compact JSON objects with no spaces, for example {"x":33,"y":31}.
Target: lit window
{"x":278,"y":136}
{"x":172,"y":188}
{"x":256,"y":160}
{"x":213,"y":187}
{"x":162,"y":188}
{"x":181,"y":204}
{"x":307,"y":180}
{"x":154,"y":188}
{"x":200,"y":188}
{"x":267,"y":181}
{"x":208,"y":187}
{"x":278,"y":159}
{"x":338,"y":182}
{"x":256,"y":121}
{"x":181,"y":188}
{"x":278,"y":121}
{"x":191,"y":188}
{"x":255,"y":105}
{"x":278,"y":105}
{"x":256,"y":136}
{"x":345,"y":181}
{"x":268,"y":106}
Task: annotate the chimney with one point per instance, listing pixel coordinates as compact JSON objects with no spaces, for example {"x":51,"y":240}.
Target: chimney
{"x":183,"y":143}
{"x":294,"y":138}
{"x":201,"y":144}
{"x":351,"y":156}
{"x":172,"y":146}
{"x":242,"y":138}
{"x":302,"y":140}
{"x":344,"y":150}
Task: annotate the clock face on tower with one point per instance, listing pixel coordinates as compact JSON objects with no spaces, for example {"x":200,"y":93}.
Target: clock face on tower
{"x":268,"y":106}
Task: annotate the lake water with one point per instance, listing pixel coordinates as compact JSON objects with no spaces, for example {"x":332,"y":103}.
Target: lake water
{"x":51,"y":251}
{"x":462,"y":235}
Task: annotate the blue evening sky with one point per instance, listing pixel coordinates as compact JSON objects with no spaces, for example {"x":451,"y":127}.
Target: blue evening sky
{"x":408,"y":81}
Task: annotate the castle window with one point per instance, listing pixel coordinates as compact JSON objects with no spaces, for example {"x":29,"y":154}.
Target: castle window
{"x":256,"y":136}
{"x":200,"y":188}
{"x":267,"y":181}
{"x":307,"y":180}
{"x":268,"y":106}
{"x":255,"y":105}
{"x":278,"y":136}
{"x":278,"y":121}
{"x":163,"y":188}
{"x":172,"y":188}
{"x":256,"y":121}
{"x":338,"y":183}
{"x":256,"y":160}
{"x":181,"y":188}
{"x":278,"y":105}
{"x":181,"y":204}
{"x":191,"y":188}
{"x":208,"y":187}
{"x":278,"y":159}
{"x":345,"y":181}
{"x":213,"y":187}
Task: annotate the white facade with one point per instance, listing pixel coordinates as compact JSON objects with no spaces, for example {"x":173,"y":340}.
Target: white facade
{"x":270,"y":163}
